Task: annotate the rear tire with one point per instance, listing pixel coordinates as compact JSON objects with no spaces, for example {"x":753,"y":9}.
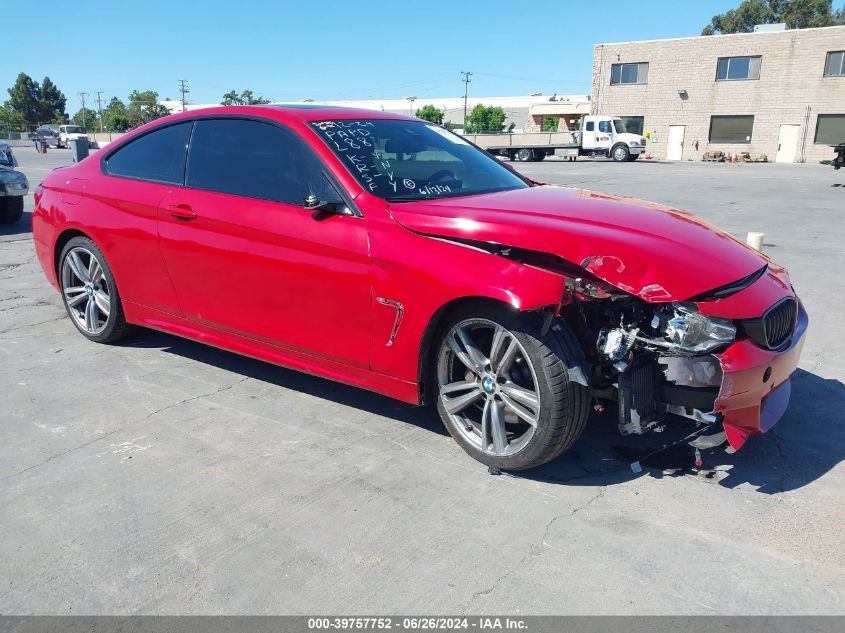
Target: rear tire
{"x":11,"y":209}
{"x":524,"y":155}
{"x":89,"y":292}
{"x":488,"y":410}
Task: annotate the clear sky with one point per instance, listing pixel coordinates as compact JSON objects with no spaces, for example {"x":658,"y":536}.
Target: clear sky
{"x":328,"y":49}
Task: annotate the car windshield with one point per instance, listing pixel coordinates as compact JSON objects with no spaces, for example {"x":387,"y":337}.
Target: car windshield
{"x":413,"y":160}
{"x":73,"y":129}
{"x":619,"y":124}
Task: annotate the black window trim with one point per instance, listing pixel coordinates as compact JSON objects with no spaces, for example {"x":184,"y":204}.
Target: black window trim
{"x":729,"y":116}
{"x":327,"y":173}
{"x":126,"y":142}
{"x":729,"y":57}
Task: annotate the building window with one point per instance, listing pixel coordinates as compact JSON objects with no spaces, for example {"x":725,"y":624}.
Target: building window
{"x":731,"y":129}
{"x":629,"y":73}
{"x":732,"y":68}
{"x":830,"y":129}
{"x":632,"y":124}
{"x":835,"y":64}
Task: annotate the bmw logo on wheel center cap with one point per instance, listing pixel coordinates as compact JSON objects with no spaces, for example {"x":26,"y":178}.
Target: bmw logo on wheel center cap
{"x":488,"y":384}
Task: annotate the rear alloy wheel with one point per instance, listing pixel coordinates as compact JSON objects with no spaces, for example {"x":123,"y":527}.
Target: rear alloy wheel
{"x":11,"y":209}
{"x":620,"y":153}
{"x":89,"y":292}
{"x":503,"y":389}
{"x":524,"y":155}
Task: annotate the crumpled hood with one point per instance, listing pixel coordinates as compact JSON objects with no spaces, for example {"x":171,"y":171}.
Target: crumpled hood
{"x":655,"y":252}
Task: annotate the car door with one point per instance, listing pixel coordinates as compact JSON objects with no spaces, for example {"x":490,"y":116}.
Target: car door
{"x":124,"y":203}
{"x":604,"y":137}
{"x":588,"y":140}
{"x":245,"y":255}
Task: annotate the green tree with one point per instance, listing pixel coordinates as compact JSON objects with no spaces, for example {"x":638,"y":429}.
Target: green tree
{"x":86,"y":118}
{"x":10,"y":121}
{"x":485,"y":119}
{"x":550,"y":124}
{"x":797,"y":14}
{"x":51,"y":102}
{"x":246,"y":97}
{"x":115,"y":116}
{"x":24,"y":98}
{"x":430,"y":113}
{"x":144,"y":107}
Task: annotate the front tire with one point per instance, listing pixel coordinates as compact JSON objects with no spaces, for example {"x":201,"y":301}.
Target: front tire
{"x":89,"y":292}
{"x":11,"y":209}
{"x":503,"y":387}
{"x":620,"y":153}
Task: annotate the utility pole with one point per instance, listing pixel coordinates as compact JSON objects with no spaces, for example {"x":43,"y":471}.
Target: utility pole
{"x":466,"y":81}
{"x":82,"y":96}
{"x":411,"y":107}
{"x":100,"y":108}
{"x":183,"y":88}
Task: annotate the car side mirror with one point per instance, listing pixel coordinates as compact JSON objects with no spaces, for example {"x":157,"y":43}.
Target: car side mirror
{"x":320,"y":207}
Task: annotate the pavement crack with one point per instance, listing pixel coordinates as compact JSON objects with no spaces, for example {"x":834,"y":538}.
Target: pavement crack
{"x":193,"y":398}
{"x":599,"y":494}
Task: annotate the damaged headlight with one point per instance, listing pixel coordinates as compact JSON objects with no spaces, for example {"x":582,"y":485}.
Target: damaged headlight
{"x":697,"y":333}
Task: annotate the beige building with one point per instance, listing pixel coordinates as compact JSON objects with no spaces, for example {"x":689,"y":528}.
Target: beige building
{"x":775,"y":92}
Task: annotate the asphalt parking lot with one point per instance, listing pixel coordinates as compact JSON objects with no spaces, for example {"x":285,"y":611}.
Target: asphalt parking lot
{"x":159,"y":476}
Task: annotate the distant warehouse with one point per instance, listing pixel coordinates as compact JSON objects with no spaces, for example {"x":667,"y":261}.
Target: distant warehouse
{"x":775,"y":92}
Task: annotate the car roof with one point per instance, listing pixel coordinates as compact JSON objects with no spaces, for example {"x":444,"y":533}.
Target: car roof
{"x":296,"y":112}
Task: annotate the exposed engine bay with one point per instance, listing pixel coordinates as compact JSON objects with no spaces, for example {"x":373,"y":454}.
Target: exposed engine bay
{"x":651,"y":359}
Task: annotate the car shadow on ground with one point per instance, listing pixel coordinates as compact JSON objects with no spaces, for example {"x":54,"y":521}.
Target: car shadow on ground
{"x":807,"y":443}
{"x":24,"y":225}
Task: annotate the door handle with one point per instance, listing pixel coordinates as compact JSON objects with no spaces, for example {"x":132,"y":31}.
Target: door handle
{"x":182,"y":212}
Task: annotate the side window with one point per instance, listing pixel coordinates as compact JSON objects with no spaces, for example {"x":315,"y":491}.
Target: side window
{"x":252,"y":159}
{"x":591,"y":126}
{"x":158,"y":156}
{"x":604,"y":126}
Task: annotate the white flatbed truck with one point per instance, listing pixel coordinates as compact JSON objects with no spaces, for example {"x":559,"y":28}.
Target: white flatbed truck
{"x":599,"y":136}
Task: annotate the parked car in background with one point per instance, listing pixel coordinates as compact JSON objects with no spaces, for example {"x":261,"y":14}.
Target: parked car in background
{"x":13,"y":186}
{"x":50,"y":133}
{"x":388,"y":253}
{"x":67,"y":133}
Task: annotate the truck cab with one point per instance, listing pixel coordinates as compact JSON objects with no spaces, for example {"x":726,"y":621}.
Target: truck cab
{"x":67,"y":133}
{"x":607,"y":136}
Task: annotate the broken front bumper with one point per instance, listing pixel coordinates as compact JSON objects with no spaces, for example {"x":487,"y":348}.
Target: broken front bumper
{"x":756,"y":385}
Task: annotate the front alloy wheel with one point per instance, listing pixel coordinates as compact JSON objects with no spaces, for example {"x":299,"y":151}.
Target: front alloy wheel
{"x":488,"y":388}
{"x":503,"y":390}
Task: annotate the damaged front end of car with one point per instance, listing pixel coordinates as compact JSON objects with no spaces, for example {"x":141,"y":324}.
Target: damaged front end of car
{"x":657,"y":360}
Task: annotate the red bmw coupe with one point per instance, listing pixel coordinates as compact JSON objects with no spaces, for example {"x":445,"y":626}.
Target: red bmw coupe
{"x":389,"y":253}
